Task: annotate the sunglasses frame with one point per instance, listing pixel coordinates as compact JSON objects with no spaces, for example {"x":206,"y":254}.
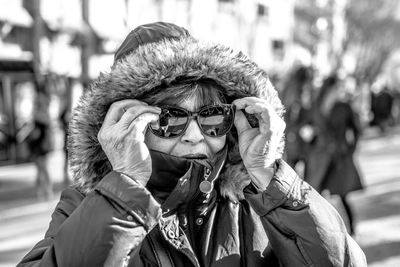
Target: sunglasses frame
{"x":195,"y":115}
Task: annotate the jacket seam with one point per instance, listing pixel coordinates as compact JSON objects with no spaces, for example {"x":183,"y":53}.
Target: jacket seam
{"x":154,"y":251}
{"x":170,"y":259}
{"x":303,"y":251}
{"x":284,"y":228}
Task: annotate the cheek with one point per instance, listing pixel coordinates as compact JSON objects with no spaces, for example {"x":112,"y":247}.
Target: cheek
{"x":159,"y":144}
{"x":169,"y":146}
{"x":215,"y":144}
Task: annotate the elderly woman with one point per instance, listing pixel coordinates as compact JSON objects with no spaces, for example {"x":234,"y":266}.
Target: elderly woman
{"x":176,"y":159}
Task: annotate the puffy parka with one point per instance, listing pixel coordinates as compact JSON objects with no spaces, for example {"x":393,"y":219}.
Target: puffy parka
{"x":109,"y":219}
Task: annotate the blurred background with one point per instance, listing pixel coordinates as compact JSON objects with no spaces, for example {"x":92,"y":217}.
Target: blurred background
{"x":50,"y":50}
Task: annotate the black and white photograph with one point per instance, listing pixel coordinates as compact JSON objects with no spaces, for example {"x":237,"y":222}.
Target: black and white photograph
{"x":199,"y":133}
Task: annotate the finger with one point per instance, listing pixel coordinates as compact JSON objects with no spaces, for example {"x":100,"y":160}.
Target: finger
{"x":139,"y":126}
{"x":129,"y":104}
{"x":241,"y":122}
{"x":256,"y":108}
{"x":134,"y":112}
{"x":242,"y":103}
{"x":116,"y":110}
{"x":271,"y":123}
{"x":262,"y":110}
{"x":126,"y":106}
{"x":269,"y":120}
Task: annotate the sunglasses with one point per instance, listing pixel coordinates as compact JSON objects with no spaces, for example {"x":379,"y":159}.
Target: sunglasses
{"x":213,"y":120}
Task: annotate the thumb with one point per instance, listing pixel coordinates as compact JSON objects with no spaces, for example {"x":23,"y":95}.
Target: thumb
{"x":241,"y":122}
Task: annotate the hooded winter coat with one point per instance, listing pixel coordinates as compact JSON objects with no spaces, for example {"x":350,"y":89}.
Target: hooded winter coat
{"x":107,"y":218}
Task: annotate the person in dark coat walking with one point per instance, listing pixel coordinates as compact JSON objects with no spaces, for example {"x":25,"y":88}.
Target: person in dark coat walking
{"x":40,"y":144}
{"x":297,"y":97}
{"x":337,"y":130}
{"x":176,"y":156}
{"x":382,"y":109}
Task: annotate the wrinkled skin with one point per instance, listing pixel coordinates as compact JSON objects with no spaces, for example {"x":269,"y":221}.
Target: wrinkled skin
{"x":258,"y":146}
{"x":191,"y":142}
{"x":122,"y":138}
{"x":126,"y":143}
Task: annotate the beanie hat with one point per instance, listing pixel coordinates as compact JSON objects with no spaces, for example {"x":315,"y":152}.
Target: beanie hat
{"x":149,"y":33}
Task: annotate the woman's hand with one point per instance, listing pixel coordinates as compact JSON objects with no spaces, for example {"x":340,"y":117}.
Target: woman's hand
{"x":122,"y":137}
{"x":258,"y":146}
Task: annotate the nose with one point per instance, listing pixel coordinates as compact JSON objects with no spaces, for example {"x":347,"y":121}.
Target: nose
{"x":193,"y":133}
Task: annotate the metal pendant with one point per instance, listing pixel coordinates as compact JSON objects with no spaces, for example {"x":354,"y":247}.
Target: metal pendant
{"x":206,"y":187}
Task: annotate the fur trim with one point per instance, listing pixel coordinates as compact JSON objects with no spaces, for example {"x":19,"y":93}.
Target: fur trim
{"x":233,"y":181}
{"x":143,"y":70}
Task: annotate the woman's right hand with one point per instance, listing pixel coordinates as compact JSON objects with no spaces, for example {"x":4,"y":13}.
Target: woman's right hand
{"x":122,"y":137}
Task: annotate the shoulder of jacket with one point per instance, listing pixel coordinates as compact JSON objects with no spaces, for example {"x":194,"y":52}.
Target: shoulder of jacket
{"x":70,"y":199}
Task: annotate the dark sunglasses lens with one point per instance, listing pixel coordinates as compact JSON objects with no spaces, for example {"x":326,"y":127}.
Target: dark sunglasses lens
{"x":216,"y":120}
{"x":172,"y":122}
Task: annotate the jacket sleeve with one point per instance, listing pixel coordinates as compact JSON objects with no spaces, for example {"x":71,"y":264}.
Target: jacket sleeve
{"x":106,"y":227}
{"x":302,"y":226}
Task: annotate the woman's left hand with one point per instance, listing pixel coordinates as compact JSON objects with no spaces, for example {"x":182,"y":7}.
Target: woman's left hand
{"x":258,"y":146}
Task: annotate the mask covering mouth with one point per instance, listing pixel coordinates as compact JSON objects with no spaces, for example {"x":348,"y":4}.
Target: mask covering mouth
{"x":168,"y":171}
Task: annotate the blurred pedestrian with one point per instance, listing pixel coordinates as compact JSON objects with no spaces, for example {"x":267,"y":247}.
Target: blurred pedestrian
{"x":396,"y":107}
{"x":381,"y":108}
{"x":64,"y":119}
{"x":297,"y":97}
{"x":40,"y":144}
{"x":170,"y":172}
{"x":337,"y":129}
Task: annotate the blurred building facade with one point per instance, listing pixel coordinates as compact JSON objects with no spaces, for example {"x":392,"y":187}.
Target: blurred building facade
{"x":71,"y":32}
{"x":262,"y":29}
{"x":37,"y":53}
{"x":67,"y":43}
{"x":320,"y":32}
{"x":16,"y":67}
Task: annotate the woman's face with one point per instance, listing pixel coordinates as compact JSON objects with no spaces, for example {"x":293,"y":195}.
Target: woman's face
{"x":191,"y":144}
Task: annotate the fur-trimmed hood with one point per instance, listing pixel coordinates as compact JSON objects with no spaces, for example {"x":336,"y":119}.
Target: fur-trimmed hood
{"x":146,"y":68}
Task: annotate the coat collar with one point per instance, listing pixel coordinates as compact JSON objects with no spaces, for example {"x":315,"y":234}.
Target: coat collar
{"x":176,"y":180}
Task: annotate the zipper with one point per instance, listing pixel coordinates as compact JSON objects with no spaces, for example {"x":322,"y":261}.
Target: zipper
{"x":192,"y":258}
{"x":190,"y":220}
{"x":189,"y":251}
{"x":242,"y":249}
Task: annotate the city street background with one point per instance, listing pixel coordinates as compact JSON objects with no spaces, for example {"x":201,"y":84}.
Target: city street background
{"x":51,"y":50}
{"x":24,"y":220}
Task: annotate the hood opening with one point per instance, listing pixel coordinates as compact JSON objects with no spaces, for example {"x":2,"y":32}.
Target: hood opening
{"x":142,"y":72}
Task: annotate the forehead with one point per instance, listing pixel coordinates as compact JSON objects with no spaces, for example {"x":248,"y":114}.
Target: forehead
{"x":193,"y":97}
{"x":194,"y":102}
